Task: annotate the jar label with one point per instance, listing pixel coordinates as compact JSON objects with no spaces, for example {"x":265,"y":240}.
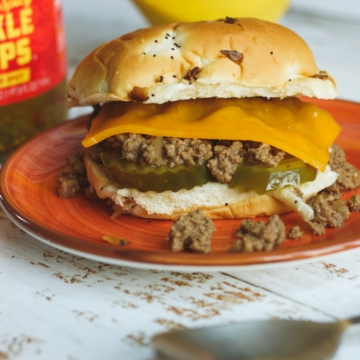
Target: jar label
{"x":32,"y":48}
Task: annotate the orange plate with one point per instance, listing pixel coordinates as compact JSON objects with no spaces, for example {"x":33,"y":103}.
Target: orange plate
{"x":28,"y":196}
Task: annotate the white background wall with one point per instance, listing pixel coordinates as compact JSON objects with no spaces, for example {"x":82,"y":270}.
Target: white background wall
{"x":349,"y":9}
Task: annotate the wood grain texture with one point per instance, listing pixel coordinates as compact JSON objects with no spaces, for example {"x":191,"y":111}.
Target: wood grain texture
{"x":55,"y":305}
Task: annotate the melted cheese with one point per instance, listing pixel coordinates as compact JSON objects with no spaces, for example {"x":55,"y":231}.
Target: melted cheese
{"x":299,"y":128}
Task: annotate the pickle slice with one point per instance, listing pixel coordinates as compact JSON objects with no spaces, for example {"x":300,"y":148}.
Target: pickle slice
{"x":259,"y":178}
{"x":148,"y":178}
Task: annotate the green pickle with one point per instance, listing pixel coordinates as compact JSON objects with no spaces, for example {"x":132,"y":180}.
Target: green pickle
{"x":148,"y":178}
{"x":258,"y":178}
{"x":22,"y":120}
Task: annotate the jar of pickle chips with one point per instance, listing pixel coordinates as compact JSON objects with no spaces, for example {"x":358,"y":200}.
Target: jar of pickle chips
{"x":32,"y":70}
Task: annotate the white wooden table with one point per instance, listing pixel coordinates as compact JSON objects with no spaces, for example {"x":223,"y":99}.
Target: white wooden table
{"x":55,"y":305}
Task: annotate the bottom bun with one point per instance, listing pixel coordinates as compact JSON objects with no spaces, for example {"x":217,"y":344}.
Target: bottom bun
{"x":216,"y":200}
{"x":261,"y":205}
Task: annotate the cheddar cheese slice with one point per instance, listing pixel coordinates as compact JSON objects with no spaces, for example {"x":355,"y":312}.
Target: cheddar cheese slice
{"x":299,"y":128}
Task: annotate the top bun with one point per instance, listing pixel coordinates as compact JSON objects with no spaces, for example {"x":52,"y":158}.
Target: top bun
{"x":226,"y":58}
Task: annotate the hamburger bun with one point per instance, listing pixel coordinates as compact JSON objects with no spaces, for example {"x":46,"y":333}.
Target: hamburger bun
{"x":230,"y":58}
{"x":276,"y":62}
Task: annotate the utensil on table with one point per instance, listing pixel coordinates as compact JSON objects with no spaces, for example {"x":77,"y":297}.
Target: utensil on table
{"x":261,"y":340}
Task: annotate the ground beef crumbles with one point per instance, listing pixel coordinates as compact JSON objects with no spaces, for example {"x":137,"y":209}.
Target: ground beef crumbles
{"x":191,"y":232}
{"x":226,"y":160}
{"x":349,"y":175}
{"x":157,"y":151}
{"x":263,"y":153}
{"x":257,"y":236}
{"x":295,"y":233}
{"x":354,"y":203}
{"x":73,"y":178}
{"x":329,"y":209}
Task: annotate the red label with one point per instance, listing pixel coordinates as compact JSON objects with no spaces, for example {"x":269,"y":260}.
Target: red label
{"x":32,"y":48}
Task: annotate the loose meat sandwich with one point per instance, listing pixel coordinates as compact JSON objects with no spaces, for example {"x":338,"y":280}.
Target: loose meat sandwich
{"x":206,"y":115}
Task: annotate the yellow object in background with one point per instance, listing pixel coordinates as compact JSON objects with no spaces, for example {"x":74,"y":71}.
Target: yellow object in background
{"x":165,"y":11}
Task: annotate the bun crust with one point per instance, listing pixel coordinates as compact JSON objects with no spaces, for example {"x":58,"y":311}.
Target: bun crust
{"x":198,"y":60}
{"x":247,"y":206}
